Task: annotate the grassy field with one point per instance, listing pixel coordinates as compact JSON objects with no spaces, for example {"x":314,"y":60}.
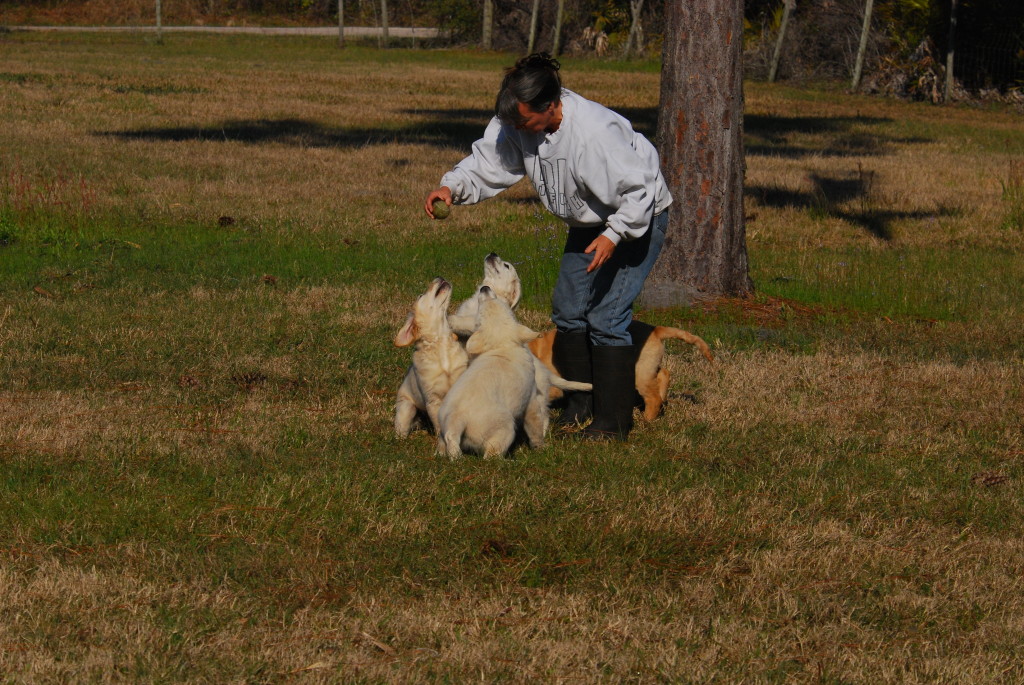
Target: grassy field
{"x":206,"y":248}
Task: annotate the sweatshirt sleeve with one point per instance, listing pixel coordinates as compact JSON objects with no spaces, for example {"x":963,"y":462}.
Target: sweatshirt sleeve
{"x":495,"y":163}
{"x":621,"y":177}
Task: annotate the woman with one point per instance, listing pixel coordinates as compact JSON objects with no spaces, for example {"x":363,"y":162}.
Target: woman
{"x":593,"y":171}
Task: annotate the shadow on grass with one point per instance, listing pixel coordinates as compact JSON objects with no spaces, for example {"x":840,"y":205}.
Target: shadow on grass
{"x":302,"y":133}
{"x":766,"y":135}
{"x":828,"y":193}
{"x":461,"y":127}
{"x":773,"y":135}
{"x":844,"y":136}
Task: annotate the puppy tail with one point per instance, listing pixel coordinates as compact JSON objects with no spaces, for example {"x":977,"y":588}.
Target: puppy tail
{"x":563,"y":384}
{"x":669,"y":333}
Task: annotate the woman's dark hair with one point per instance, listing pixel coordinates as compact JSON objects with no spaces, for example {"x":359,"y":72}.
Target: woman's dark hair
{"x":533,"y":81}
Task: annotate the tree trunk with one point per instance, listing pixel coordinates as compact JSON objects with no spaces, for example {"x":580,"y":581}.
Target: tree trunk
{"x":558,"y":27}
{"x":700,"y":134}
{"x":634,"y":42}
{"x":533,"y":27}
{"x":485,"y":40}
{"x":777,"y":57}
{"x":950,"y":49}
{"x":858,"y":68}
{"x":341,"y":23}
{"x":159,"y":22}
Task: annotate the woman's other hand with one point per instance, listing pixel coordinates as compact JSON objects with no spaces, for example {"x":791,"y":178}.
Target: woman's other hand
{"x":602,"y":248}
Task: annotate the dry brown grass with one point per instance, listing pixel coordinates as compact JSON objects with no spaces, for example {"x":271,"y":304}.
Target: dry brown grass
{"x":195,"y":427}
{"x":791,"y":613}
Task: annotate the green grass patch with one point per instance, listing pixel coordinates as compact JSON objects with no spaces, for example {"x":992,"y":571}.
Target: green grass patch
{"x":197,"y":379}
{"x":946,"y":285}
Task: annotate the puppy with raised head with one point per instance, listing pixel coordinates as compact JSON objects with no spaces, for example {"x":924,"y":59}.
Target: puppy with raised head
{"x":437,"y":361}
{"x":503,"y":388}
{"x":652,"y":379}
{"x":503,"y":280}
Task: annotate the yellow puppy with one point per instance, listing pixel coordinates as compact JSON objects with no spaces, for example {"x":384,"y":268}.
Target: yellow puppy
{"x":651,"y":379}
{"x":505,"y":386}
{"x":437,"y":363}
{"x":503,"y":280}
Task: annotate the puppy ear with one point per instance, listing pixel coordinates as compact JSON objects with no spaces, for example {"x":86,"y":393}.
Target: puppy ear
{"x":517,"y":293}
{"x":525,"y":335}
{"x":408,"y":333}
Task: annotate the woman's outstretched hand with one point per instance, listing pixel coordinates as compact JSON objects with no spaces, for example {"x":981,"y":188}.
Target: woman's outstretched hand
{"x":444,"y":193}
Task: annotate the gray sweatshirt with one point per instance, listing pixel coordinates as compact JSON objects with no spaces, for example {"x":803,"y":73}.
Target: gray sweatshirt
{"x":595,"y":170}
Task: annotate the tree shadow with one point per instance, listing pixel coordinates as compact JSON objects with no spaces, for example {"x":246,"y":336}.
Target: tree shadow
{"x":766,"y":135}
{"x":303,"y":133}
{"x":460,"y":127}
{"x":772,"y":136}
{"x":829,"y":193}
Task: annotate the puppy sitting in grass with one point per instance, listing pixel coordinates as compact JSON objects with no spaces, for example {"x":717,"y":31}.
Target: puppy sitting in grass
{"x":504,"y":387}
{"x":437,"y":363}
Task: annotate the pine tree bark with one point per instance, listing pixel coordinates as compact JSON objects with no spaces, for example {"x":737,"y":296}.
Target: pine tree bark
{"x":700,"y":134}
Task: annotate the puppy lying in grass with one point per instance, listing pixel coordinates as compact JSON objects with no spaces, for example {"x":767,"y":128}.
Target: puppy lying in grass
{"x":437,"y":362}
{"x":504,"y":387}
{"x":652,"y":380}
{"x":503,"y":280}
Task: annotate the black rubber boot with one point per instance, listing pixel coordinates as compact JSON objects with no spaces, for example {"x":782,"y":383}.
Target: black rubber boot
{"x":614,"y":370}
{"x":570,"y":354}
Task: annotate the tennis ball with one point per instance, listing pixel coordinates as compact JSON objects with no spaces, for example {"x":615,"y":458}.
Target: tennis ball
{"x":441,"y":210}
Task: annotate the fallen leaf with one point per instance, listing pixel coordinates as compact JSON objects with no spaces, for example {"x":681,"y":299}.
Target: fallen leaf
{"x":387,"y":649}
{"x":312,"y":667}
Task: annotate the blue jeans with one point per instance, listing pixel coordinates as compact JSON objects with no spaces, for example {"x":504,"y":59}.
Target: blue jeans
{"x":601,"y":302}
